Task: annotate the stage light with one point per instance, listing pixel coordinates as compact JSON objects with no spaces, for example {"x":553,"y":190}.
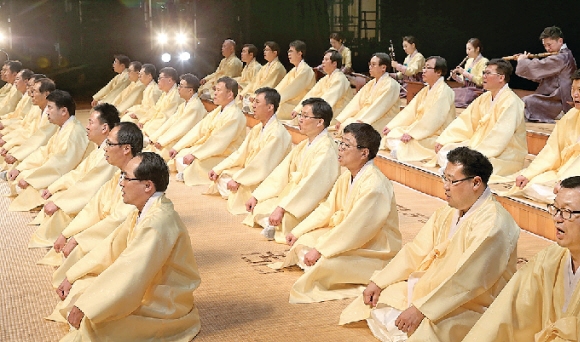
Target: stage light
{"x":181,"y":38}
{"x":166,"y":57}
{"x":184,"y":56}
{"x":2,"y":37}
{"x":162,"y":38}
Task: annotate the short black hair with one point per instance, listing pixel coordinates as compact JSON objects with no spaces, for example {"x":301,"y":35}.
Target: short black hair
{"x":384,"y":59}
{"x":37,"y":77}
{"x":576,"y":75}
{"x":571,"y":182}
{"x":502,"y":67}
{"x":474,"y":163}
{"x":335,"y":56}
{"x":230,"y":84}
{"x":108,"y":114}
{"x":14,"y":66}
{"x":191,"y":80}
{"x":273,"y":46}
{"x":149,"y":69}
{"x":552,"y":32}
{"x":123,"y":60}
{"x":170,"y":72}
{"x":251,"y":49}
{"x":365,"y":136}
{"x":152,"y":167}
{"x":320,"y":109}
{"x":46,"y":85}
{"x":271,"y":96}
{"x":410,"y":40}
{"x":299,"y":46}
{"x":62,"y":99}
{"x":130,"y":134}
{"x":136,"y":65}
{"x":26,"y":74}
{"x":440,"y":64}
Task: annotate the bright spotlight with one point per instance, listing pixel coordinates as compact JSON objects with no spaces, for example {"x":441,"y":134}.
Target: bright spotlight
{"x":184,"y":56}
{"x":2,"y":37}
{"x":162,"y":38}
{"x":181,"y":38}
{"x":166,"y":57}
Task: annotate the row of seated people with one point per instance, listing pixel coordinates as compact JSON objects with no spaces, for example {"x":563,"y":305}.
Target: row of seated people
{"x":226,"y":92}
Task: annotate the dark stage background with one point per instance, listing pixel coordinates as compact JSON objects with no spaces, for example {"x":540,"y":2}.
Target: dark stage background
{"x":73,"y":41}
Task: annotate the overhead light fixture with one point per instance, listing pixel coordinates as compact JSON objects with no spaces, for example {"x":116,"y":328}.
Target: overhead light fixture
{"x":184,"y":56}
{"x":162,"y":38}
{"x":166,"y":57}
{"x":181,"y":38}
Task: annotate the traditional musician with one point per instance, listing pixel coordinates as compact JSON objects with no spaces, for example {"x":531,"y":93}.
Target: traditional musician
{"x":553,"y":73}
{"x":470,"y":77}
{"x":412,"y":66}
{"x":337,"y":43}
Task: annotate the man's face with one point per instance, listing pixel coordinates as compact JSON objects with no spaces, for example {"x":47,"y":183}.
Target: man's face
{"x":491,"y":79}
{"x":185,"y":91}
{"x":114,"y":153}
{"x":227,"y":49}
{"x":55,"y":114}
{"x":165,"y":82}
{"x":30,"y":86}
{"x":376,"y":70}
{"x":327,"y":65}
{"x":222,"y":96}
{"x":576,"y":93}
{"x":96,"y":130}
{"x":133,"y":75}
{"x":429,"y":74}
{"x":568,"y":231}
{"x":308,"y":123}
{"x":246,"y":56}
{"x":262,"y":110}
{"x":10,"y":76}
{"x":118,"y":66}
{"x":269,"y":55}
{"x":294,"y":56}
{"x":3,"y":73}
{"x":349,"y":155}
{"x":144,"y":77}
{"x":38,"y":98}
{"x":552,"y":45}
{"x":132,"y":190}
{"x":457,"y":191}
{"x":20,"y":84}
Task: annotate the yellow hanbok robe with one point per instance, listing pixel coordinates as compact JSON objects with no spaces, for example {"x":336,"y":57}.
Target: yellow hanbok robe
{"x":376,"y":104}
{"x":495,"y":129}
{"x":249,"y":72}
{"x":412,"y":65}
{"x":129,"y":97}
{"x":270,"y":75}
{"x":558,"y":160}
{"x":187,"y":116}
{"x":165,"y":107}
{"x":115,"y":86}
{"x":356,"y":229}
{"x":150,"y":96}
{"x":63,"y":152}
{"x":150,"y":300}
{"x":261,"y":151}
{"x":532,"y":306}
{"x":5,"y":90}
{"x":424,"y":118}
{"x":212,"y":140}
{"x":292,"y":89}
{"x":334,"y":89}
{"x":25,"y":128}
{"x":72,"y":191}
{"x":346,"y":57}
{"x":14,"y":119}
{"x":298,"y":184}
{"x":231,"y":66}
{"x":476,"y":70}
{"x":9,"y":102}
{"x":458,"y":272}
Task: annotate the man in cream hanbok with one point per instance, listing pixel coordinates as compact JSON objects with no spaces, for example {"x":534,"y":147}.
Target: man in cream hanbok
{"x":351,"y":234}
{"x":263,"y":149}
{"x":493,"y":124}
{"x":297,"y":82}
{"x":559,"y":159}
{"x":104,"y":212}
{"x":377,"y":102}
{"x":229,"y":66}
{"x":334,"y":88}
{"x":150,"y":96}
{"x":7,"y":86}
{"x":8,"y":103}
{"x":63,"y":152}
{"x":303,"y":178}
{"x":115,"y":86}
{"x":213,"y":139}
{"x":542,"y":302}
{"x":188,"y":114}
{"x":270,"y":74}
{"x":250,"y":70}
{"x":23,"y":105}
{"x":411,"y":135}
{"x":133,"y":94}
{"x":439,"y":284}
{"x":152,"y":299}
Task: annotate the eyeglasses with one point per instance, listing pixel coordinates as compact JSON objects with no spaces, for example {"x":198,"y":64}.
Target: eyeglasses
{"x":344,"y":145}
{"x":300,"y":115}
{"x":565,"y":213}
{"x":125,"y":178}
{"x":184,"y":87}
{"x":162,"y":77}
{"x":372,"y":65}
{"x":454,"y":182}
{"x":113,"y":144}
{"x":487,"y":73}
